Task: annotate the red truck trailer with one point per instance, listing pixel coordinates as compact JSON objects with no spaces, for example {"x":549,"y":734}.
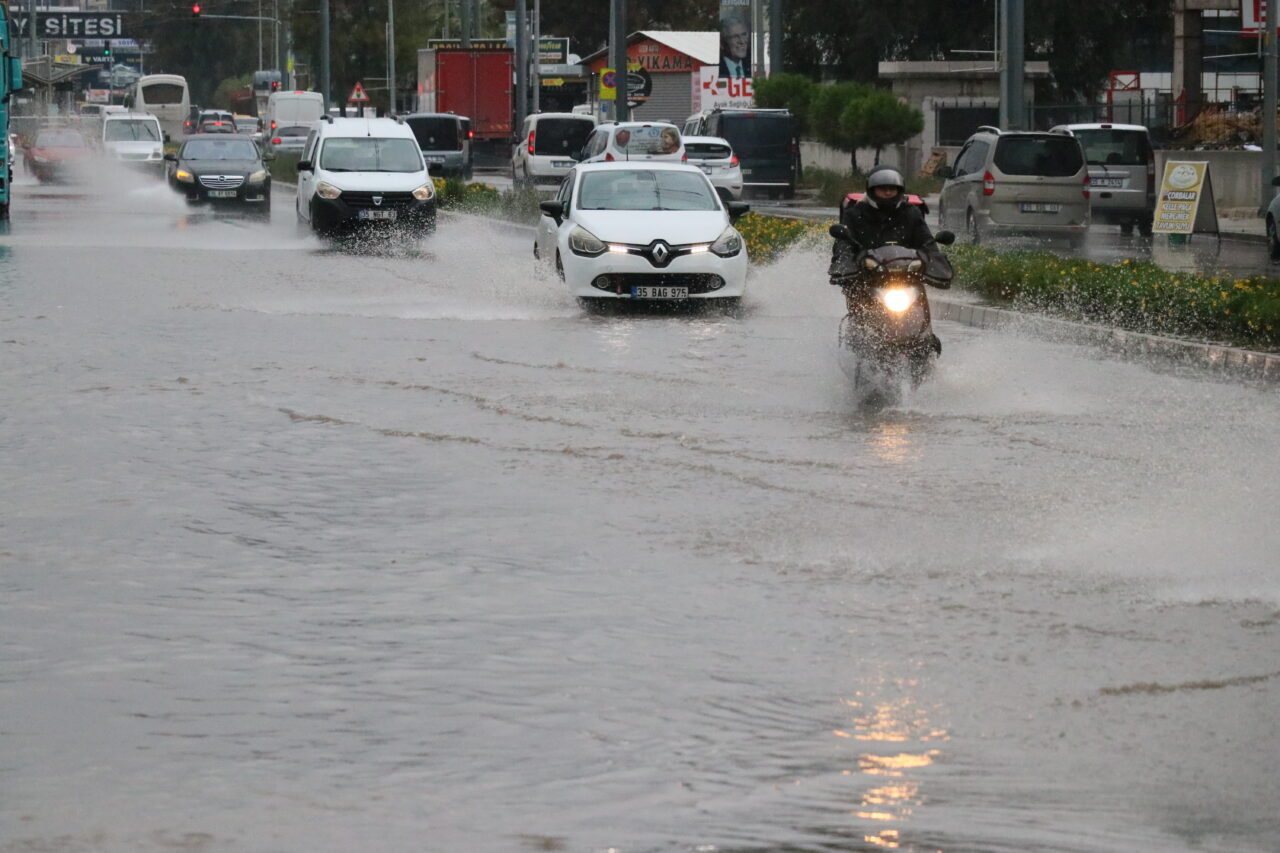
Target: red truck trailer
{"x":472,"y":82}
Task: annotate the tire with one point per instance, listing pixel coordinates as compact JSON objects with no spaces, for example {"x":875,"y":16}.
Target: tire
{"x":1126,"y":228}
{"x":515,"y":178}
{"x":1273,"y":240}
{"x":536,"y":256}
{"x":971,"y":228}
{"x":559,"y":267}
{"x":1144,"y":225}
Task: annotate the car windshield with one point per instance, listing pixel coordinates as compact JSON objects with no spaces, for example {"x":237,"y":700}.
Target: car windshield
{"x":219,"y":149}
{"x":645,"y":189}
{"x":707,"y":151}
{"x":561,"y":135}
{"x":1110,"y":147}
{"x":370,"y":154}
{"x":131,"y":130}
{"x":1050,"y":156}
{"x":436,"y":133}
{"x":60,"y":139}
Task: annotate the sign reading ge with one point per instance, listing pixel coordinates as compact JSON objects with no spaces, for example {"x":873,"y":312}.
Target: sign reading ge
{"x":63,"y":25}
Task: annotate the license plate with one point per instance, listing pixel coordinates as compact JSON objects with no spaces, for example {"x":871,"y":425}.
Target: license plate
{"x":222,"y":193}
{"x":659,"y":293}
{"x":706,"y":169}
{"x":562,"y":164}
{"x":1039,"y":207}
{"x":1106,"y":182}
{"x":383,"y":215}
{"x":435,"y":159}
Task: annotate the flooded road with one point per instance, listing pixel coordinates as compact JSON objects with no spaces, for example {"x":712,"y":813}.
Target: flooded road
{"x":307,"y":549}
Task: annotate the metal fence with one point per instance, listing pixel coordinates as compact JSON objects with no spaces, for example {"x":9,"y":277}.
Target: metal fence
{"x":956,"y":120}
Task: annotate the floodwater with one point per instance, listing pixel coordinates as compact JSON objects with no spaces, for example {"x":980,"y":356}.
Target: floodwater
{"x":312,"y":549}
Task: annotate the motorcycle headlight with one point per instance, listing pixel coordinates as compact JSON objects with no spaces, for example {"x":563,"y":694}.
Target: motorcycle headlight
{"x":897,"y":299}
{"x":258,"y":176}
{"x":327,"y":191}
{"x":424,"y":192}
{"x":728,"y":244}
{"x":184,"y":176}
{"x":583,"y":242}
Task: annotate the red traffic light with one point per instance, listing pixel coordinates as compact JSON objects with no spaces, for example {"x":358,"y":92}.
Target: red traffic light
{"x":195,"y":10}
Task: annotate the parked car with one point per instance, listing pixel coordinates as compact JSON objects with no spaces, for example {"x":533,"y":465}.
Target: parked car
{"x":544,"y":152}
{"x":445,"y":142}
{"x":715,"y":157}
{"x":767,"y":143}
{"x":1272,"y":218}
{"x":58,"y":154}
{"x":134,"y":139}
{"x":289,"y":140}
{"x":643,"y":230}
{"x":1122,"y":173}
{"x":221,"y":170}
{"x":647,"y":141}
{"x":364,"y":172}
{"x":1017,"y":183}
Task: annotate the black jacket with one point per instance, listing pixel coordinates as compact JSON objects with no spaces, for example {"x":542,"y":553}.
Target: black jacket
{"x":872,"y":228}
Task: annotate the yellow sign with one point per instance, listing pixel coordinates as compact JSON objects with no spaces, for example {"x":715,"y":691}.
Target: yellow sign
{"x":67,"y":58}
{"x":553,"y":81}
{"x":633,"y":66}
{"x":608,"y":84}
{"x":1184,"y":189}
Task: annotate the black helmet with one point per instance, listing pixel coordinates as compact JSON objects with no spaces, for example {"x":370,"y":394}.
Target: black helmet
{"x":883,"y":176}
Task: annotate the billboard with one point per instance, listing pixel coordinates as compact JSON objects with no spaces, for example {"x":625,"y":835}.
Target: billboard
{"x":735,"y":39}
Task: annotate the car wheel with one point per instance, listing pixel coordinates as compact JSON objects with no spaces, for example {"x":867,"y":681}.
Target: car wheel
{"x":1126,"y":228}
{"x":559,"y":267}
{"x":1144,"y":225}
{"x":515,"y":177}
{"x":1273,"y":241}
{"x":536,"y":255}
{"x":971,"y":228}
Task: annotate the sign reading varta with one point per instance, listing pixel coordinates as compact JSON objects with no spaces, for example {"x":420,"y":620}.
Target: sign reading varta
{"x":63,"y":25}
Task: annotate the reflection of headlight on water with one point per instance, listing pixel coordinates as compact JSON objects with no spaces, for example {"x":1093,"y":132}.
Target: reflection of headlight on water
{"x":898,"y":299}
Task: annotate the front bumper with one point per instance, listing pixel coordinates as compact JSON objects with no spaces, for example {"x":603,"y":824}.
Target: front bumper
{"x":611,"y":276}
{"x":254,"y":194}
{"x":345,"y":211}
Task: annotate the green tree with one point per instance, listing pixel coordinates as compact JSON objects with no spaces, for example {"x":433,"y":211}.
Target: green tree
{"x":793,"y":92}
{"x":878,"y":119}
{"x":827,"y":106}
{"x":222,"y":95}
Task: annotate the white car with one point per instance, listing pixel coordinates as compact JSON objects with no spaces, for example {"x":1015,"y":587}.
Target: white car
{"x":643,"y":230}
{"x":715,"y":156}
{"x":634,"y":140}
{"x":547,"y":148}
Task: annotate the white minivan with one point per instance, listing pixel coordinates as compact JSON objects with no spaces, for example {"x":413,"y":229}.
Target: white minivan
{"x":545,"y":150}
{"x":134,"y":139}
{"x":366,"y":172}
{"x":291,"y":109}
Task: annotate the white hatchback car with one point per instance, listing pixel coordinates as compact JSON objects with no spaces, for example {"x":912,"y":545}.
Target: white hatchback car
{"x":643,"y":231}
{"x":715,"y":156}
{"x":634,"y":140}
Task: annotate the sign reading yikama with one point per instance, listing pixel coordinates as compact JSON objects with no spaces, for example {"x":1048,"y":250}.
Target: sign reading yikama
{"x":1185,"y":202}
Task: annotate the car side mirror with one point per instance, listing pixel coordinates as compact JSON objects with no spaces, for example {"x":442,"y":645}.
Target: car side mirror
{"x":736,"y":209}
{"x":269,"y":155}
{"x":945,"y":238}
{"x":171,"y":157}
{"x":944,"y":171}
{"x":304,"y":165}
{"x":841,"y":232}
{"x":554,"y":209}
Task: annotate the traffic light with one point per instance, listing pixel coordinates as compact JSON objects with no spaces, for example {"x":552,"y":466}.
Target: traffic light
{"x":275,"y":85}
{"x":195,"y":10}
{"x":106,"y":51}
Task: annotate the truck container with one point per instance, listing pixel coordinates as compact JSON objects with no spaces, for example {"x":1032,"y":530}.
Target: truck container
{"x":472,"y":82}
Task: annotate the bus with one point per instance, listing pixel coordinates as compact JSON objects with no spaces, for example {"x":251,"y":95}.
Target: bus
{"x":166,"y":97}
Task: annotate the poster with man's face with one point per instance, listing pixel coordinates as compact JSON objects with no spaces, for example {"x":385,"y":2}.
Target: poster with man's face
{"x":735,"y":38}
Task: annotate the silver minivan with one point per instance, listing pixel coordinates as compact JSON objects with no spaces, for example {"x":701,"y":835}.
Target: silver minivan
{"x":1122,"y":173}
{"x":1011,"y":183}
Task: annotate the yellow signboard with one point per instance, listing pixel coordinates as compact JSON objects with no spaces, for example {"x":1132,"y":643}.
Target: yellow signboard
{"x":1185,"y":203}
{"x":553,"y":81}
{"x":608,"y":84}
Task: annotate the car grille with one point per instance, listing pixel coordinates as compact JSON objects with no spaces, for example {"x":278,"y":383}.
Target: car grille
{"x":390,"y":200}
{"x":134,"y":156}
{"x":621,"y":283}
{"x":221,"y":182}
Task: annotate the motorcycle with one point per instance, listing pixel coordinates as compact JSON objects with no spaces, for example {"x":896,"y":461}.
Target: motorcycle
{"x":887,"y":342}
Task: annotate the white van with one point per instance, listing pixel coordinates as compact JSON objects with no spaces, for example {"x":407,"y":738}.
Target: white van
{"x":291,"y":109}
{"x":134,"y":139}
{"x":544,"y":152}
{"x":364,"y":172}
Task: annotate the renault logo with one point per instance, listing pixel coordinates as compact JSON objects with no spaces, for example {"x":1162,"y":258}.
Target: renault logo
{"x":661,"y":252}
{"x":377,"y":201}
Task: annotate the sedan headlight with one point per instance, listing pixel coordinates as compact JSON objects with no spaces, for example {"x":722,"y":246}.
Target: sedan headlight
{"x":583,"y":242}
{"x":327,"y":191}
{"x":258,"y":176}
{"x":728,"y":244}
{"x":897,"y":299}
{"x":184,"y":176}
{"x":424,"y":192}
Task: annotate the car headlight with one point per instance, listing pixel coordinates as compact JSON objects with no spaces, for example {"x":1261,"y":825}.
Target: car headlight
{"x":327,"y":191}
{"x":184,"y":176}
{"x":897,"y":299}
{"x":583,"y":242}
{"x":424,"y":192}
{"x":728,"y":244}
{"x":258,"y":176}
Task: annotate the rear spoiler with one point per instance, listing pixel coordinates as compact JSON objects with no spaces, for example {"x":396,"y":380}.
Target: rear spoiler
{"x":912,"y":198}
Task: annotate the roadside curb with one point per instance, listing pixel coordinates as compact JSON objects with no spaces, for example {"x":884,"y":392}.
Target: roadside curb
{"x":1243,"y":363}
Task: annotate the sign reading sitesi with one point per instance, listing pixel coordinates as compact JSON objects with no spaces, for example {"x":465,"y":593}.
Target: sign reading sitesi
{"x":62,"y":25}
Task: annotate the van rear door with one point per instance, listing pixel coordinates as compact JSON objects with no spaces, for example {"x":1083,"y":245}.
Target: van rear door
{"x":1037,"y":180}
{"x":766,"y":146}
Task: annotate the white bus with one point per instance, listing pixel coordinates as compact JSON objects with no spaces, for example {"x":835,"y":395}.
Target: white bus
{"x":166,"y":97}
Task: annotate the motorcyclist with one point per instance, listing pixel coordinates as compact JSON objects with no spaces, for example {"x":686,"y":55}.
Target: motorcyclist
{"x":883,"y":216}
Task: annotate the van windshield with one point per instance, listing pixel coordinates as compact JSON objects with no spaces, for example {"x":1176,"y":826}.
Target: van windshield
{"x":370,"y":154}
{"x":561,"y":135}
{"x":1110,"y":147}
{"x":436,"y":133}
{"x":131,"y":130}
{"x":1050,"y":156}
{"x":645,"y":189}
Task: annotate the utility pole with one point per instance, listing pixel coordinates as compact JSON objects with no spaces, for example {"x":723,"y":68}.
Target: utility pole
{"x":537,"y":56}
{"x":618,"y":55}
{"x":1268,"y":105}
{"x":1012,"y":98}
{"x":324,"y":53}
{"x":522,"y":67}
{"x":391,"y":53}
{"x":464,"y":13}
{"x":775,"y":37}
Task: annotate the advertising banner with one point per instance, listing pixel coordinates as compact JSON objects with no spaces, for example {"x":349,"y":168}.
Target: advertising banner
{"x":711,"y":91}
{"x":735,"y":39}
{"x":1185,"y":202}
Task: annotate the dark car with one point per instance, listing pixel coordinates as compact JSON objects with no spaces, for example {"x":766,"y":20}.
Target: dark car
{"x":445,"y":142}
{"x":220,"y":169}
{"x":766,"y":141}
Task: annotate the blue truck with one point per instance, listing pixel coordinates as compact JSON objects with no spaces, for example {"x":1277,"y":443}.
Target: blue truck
{"x":10,"y":82}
